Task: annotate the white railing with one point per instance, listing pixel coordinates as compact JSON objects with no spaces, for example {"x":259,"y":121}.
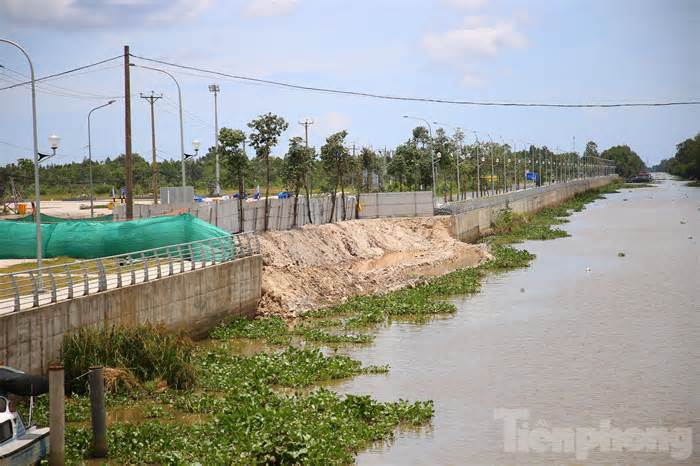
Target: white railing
{"x":37,"y":287}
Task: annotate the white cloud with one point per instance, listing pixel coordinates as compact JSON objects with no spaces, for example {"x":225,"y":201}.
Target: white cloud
{"x":466,"y":4}
{"x":81,"y":13}
{"x":267,"y":8}
{"x":475,"y":38}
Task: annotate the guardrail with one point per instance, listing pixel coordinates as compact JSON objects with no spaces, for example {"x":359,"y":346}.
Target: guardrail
{"x":36,"y":287}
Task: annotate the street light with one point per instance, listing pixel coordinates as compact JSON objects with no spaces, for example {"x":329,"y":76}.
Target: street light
{"x":37,"y":200}
{"x":458,"y":130}
{"x":195,"y":145}
{"x":432,"y":154}
{"x":179,"y":100}
{"x":215,"y":89}
{"x":92,"y":191}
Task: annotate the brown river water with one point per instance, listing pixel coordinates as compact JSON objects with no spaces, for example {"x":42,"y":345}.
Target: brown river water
{"x":585,"y":357}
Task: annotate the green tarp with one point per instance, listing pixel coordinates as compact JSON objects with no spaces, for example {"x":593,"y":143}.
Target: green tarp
{"x":51,"y":219}
{"x":90,"y":239}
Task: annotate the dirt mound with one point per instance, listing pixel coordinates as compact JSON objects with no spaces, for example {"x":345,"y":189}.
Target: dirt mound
{"x":320,"y":265}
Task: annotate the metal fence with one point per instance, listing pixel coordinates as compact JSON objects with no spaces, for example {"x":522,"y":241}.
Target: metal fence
{"x":36,"y":287}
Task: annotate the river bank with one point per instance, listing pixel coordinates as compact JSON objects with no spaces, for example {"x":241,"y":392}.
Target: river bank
{"x":256,"y":406}
{"x":322,"y":265}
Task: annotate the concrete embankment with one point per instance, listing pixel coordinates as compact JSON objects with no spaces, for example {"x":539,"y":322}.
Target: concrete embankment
{"x":192,"y":301}
{"x":476,"y":215}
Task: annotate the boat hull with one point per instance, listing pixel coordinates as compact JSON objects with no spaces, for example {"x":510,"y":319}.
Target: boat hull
{"x":29,"y":448}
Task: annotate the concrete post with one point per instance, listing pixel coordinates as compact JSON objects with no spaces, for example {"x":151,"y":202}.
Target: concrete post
{"x":57,"y":419}
{"x":97,"y":405}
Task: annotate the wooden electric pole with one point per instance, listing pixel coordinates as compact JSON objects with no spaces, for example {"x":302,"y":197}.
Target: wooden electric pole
{"x":128,"y":161}
{"x":154,"y":164}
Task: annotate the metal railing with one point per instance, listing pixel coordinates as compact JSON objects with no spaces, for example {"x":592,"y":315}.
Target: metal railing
{"x":37,"y":287}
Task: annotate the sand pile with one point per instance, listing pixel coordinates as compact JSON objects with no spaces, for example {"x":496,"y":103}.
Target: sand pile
{"x":320,"y":265}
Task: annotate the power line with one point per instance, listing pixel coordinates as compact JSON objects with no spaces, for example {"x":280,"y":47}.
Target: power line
{"x":418,"y":99}
{"x":55,"y":75}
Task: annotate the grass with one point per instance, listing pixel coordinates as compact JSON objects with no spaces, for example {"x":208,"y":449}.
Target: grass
{"x":31,"y":264}
{"x":134,"y":355}
{"x":233,"y":411}
{"x":694,"y":184}
{"x":637,"y":185}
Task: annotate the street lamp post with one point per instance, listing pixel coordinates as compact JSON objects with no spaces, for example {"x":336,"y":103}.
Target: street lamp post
{"x":215,"y":89}
{"x":458,"y":130}
{"x":493,"y":185}
{"x":53,"y":141}
{"x":182,"y":135}
{"x":432,"y":153}
{"x":92,"y":191}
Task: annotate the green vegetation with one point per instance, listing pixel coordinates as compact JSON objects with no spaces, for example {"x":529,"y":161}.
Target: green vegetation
{"x":694,"y":184}
{"x":627,"y":162}
{"x":637,"y":185}
{"x":135,"y":355}
{"x":686,"y":162}
{"x":235,"y":414}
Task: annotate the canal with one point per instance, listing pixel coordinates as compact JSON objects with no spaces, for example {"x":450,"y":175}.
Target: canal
{"x":594,"y":347}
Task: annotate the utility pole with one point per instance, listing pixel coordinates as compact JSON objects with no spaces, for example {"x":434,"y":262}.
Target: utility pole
{"x":154,"y":164}
{"x":128,"y":161}
{"x":306,"y":123}
{"x":215,"y":89}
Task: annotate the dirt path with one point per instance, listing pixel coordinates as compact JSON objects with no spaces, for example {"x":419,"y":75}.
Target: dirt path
{"x":320,"y":265}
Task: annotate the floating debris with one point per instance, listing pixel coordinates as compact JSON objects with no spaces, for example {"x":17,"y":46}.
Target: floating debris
{"x":588,"y":269}
{"x":620,"y":254}
{"x":683,"y":222}
{"x":522,"y":290}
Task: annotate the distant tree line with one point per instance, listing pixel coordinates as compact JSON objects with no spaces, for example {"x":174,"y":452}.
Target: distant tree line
{"x":252,"y":162}
{"x":686,"y":162}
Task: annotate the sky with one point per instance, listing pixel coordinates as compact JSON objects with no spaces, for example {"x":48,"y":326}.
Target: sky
{"x":573,"y":51}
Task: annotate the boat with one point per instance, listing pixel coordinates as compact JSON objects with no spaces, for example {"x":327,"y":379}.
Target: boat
{"x":19,"y":444}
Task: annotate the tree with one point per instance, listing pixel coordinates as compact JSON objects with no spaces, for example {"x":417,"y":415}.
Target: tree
{"x":591,"y":149}
{"x":234,"y":158}
{"x":627,"y":162}
{"x":336,"y":160}
{"x":368,"y":163}
{"x":266,"y":130}
{"x":296,"y":166}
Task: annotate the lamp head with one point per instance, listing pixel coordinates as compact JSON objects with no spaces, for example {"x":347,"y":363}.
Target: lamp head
{"x":196,"y":144}
{"x":54,"y":141}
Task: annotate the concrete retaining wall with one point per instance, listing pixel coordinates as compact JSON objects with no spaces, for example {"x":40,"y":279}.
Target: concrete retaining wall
{"x":226,"y":213}
{"x":193,"y":301}
{"x":474,"y":219}
{"x":403,"y":204}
